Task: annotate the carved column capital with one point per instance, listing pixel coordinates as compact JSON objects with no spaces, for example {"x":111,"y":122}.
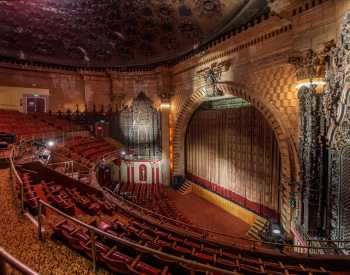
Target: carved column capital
{"x":310,"y":65}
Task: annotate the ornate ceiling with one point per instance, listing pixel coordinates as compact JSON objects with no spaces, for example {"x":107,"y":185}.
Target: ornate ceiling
{"x":115,"y":32}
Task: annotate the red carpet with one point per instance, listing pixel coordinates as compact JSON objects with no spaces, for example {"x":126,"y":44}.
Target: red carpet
{"x":204,"y":214}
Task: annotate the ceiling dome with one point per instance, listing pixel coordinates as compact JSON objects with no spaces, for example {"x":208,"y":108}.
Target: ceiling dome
{"x":115,"y":32}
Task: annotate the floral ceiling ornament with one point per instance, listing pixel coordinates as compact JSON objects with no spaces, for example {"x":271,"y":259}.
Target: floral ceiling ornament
{"x":209,"y":7}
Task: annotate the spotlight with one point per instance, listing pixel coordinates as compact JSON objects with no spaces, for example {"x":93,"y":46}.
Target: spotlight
{"x":50,"y":143}
{"x":276,"y":229}
{"x":123,"y":153}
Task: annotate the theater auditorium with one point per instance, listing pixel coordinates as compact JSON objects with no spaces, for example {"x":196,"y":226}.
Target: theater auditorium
{"x":182,"y":137}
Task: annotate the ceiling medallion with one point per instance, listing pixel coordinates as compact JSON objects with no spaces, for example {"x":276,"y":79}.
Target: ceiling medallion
{"x":209,"y":7}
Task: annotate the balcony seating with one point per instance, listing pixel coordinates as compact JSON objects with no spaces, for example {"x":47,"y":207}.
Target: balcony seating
{"x":58,"y":123}
{"x":27,"y":125}
{"x":123,"y":259}
{"x":138,"y":229}
{"x":85,"y":150}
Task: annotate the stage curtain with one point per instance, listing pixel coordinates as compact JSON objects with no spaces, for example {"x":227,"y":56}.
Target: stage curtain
{"x":234,"y":153}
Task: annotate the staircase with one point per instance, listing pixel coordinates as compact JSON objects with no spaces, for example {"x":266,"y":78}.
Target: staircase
{"x":185,"y":188}
{"x":257,"y":227}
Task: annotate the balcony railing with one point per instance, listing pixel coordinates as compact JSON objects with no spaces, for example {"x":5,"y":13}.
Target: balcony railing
{"x":142,"y":249}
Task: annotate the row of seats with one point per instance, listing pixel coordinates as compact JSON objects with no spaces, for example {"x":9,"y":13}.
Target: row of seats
{"x":137,"y":228}
{"x":25,"y":125}
{"x":65,"y":199}
{"x":128,"y":259}
{"x":151,"y":196}
{"x":139,"y":192}
{"x":85,"y":150}
{"x":31,"y":198}
{"x":57,"y":122}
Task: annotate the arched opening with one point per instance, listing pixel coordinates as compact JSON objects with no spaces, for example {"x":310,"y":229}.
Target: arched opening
{"x":231,"y":150}
{"x":288,"y":156}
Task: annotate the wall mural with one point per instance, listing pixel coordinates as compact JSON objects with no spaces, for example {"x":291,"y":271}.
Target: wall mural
{"x":140,"y":128}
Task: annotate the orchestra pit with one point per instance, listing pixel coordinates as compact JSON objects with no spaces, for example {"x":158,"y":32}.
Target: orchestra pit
{"x":175,"y":137}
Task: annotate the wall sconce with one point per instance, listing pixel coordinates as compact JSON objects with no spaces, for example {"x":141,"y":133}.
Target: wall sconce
{"x":165,"y":106}
{"x":319,"y":83}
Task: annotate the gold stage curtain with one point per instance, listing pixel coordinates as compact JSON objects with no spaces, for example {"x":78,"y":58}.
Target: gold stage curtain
{"x":234,"y":153}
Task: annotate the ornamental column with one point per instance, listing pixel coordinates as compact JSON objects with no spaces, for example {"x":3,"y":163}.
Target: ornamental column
{"x":312,"y":190}
{"x":165,"y":162}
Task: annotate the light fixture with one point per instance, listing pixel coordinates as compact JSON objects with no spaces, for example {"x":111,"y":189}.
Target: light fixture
{"x":307,"y":83}
{"x":276,"y":229}
{"x":123,"y":153}
{"x":165,"y":105}
{"x":50,"y":143}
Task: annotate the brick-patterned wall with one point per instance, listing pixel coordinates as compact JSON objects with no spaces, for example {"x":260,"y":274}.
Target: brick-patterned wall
{"x":68,"y":89}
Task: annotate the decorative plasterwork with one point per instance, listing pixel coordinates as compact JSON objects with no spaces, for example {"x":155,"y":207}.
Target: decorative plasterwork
{"x":311,"y":65}
{"x":336,"y":102}
{"x":114,"y":32}
{"x":212,"y":76}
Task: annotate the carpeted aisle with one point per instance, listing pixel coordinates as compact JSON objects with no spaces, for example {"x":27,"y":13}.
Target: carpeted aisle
{"x":19,"y":238}
{"x":202,"y":213}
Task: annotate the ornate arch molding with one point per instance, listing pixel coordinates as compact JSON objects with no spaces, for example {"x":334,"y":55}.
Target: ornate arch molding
{"x":285,"y":143}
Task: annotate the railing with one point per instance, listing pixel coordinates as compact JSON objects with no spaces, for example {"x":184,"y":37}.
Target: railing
{"x":336,"y":247}
{"x":74,"y":166}
{"x":18,"y":151}
{"x":95,"y":231}
{"x":313,"y":247}
{"x":16,"y":179}
{"x":207,"y":235}
{"x":6,"y":258}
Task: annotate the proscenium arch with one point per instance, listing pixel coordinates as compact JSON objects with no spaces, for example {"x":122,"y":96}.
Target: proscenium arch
{"x":285,"y":143}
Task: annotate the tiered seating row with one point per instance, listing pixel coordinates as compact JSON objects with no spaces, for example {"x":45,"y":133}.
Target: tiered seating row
{"x":23,"y":125}
{"x":29,"y":125}
{"x":153,"y":197}
{"x":59,"y":123}
{"x":140,"y":192}
{"x":123,"y":258}
{"x":86,"y":149}
{"x":126,"y":259}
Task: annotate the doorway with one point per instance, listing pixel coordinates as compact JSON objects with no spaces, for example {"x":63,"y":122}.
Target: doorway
{"x":36,"y":104}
